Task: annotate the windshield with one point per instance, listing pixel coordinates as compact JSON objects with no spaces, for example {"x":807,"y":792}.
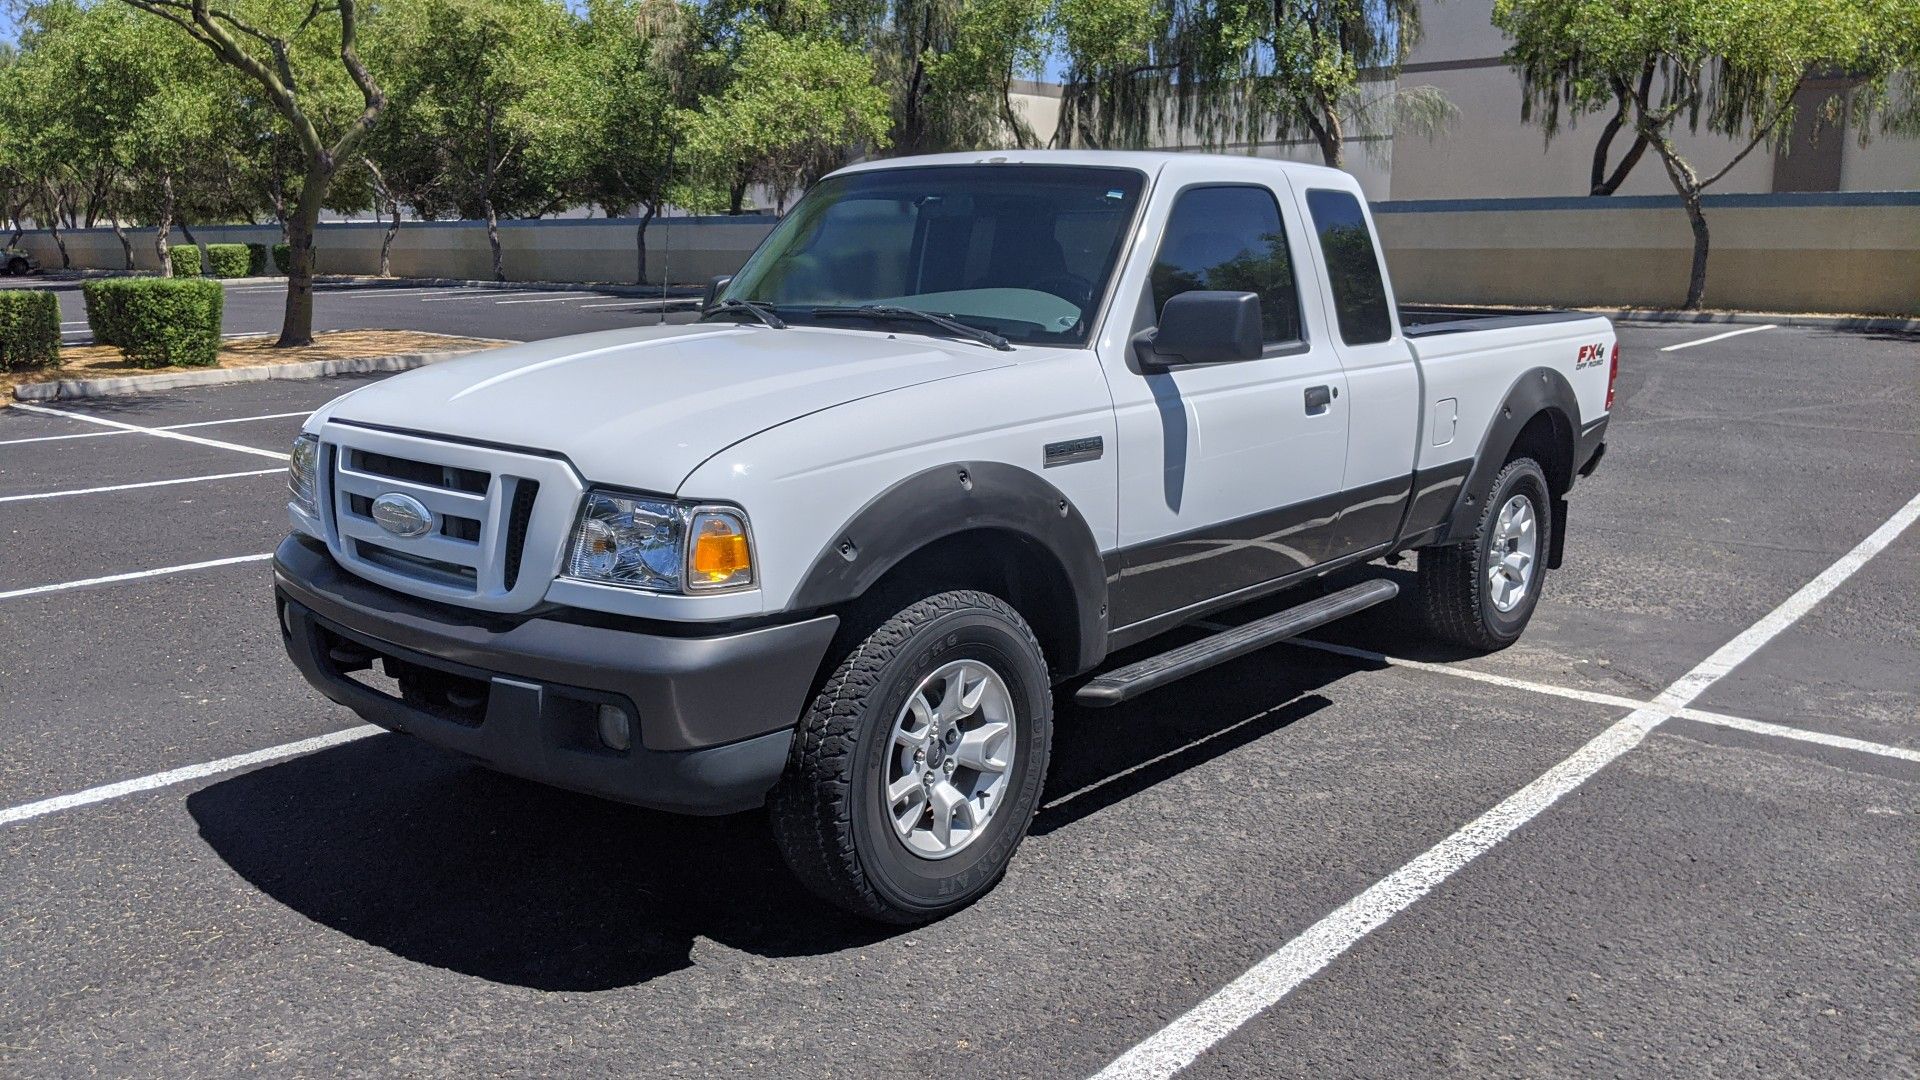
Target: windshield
{"x":1022,"y":250}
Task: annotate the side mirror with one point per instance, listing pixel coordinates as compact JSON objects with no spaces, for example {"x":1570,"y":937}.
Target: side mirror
{"x":1201,"y":327}
{"x":716,"y":285}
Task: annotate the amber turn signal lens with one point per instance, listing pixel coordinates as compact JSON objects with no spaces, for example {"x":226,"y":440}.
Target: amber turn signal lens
{"x":721,"y":554}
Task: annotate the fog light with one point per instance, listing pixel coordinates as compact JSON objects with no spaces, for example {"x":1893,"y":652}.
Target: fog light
{"x":616,"y":729}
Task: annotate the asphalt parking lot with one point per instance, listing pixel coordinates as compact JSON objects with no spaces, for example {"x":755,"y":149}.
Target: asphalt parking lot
{"x":1671,"y":832}
{"x":255,"y":307}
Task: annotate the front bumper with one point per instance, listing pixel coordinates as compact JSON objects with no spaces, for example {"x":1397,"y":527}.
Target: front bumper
{"x":715,"y":714}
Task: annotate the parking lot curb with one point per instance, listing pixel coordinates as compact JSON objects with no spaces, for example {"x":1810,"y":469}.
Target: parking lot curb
{"x":122,"y":386}
{"x":1757,"y":318}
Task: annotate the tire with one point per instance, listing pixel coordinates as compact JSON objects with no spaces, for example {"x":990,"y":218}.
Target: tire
{"x":1459,"y":598}
{"x":831,"y":818}
{"x":17,"y":267}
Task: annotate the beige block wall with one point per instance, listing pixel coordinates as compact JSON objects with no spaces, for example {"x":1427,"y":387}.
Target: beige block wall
{"x":687,"y":250}
{"x":1775,"y":258}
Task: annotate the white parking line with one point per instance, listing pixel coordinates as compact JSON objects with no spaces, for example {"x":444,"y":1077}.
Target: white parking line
{"x":163,"y":427}
{"x":1718,"y":337}
{"x":491,"y":294}
{"x":26,"y":811}
{"x":550,"y":299}
{"x":143,"y":484}
{"x":414,"y":292}
{"x":1757,"y":727}
{"x":644,"y":303}
{"x":1175,"y":1046}
{"x":135,"y":575}
{"x":162,"y":433}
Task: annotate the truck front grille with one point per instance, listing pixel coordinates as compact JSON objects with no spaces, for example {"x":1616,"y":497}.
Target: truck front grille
{"x":482,"y":505}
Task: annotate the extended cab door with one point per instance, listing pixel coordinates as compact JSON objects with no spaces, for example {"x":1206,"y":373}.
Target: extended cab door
{"x":1383,"y":379}
{"x":1229,"y":473}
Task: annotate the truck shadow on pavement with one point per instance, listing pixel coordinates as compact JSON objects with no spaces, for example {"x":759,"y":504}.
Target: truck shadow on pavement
{"x":444,"y":863}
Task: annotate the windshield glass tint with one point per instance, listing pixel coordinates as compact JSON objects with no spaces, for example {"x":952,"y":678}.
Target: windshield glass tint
{"x":1022,"y":250}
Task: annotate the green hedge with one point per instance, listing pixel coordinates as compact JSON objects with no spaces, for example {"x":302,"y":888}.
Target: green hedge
{"x":29,"y":329}
{"x":186,"y":260}
{"x":157,"y":322}
{"x":256,"y":259}
{"x":228,"y":260}
{"x":283,"y":258}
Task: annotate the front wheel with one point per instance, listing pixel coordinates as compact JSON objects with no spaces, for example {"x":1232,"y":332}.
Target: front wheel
{"x":1482,"y":593}
{"x":17,"y":267}
{"x":918,"y":766}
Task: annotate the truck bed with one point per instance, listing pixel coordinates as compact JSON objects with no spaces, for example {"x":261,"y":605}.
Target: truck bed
{"x":1418,"y":321}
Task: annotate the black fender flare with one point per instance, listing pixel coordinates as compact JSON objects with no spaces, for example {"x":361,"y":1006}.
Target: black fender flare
{"x":1538,"y":390}
{"x":945,"y":501}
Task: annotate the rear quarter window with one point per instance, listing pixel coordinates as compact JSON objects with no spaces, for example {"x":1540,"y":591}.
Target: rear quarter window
{"x":1353,"y":267}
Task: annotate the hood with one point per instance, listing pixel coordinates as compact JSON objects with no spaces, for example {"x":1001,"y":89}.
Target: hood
{"x":642,"y":408}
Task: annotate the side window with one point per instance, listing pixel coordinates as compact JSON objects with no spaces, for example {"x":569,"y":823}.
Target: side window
{"x":1359,"y":295}
{"x":1230,"y":239}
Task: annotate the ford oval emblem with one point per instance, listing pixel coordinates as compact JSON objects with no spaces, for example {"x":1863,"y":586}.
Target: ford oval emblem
{"x":402,"y":515}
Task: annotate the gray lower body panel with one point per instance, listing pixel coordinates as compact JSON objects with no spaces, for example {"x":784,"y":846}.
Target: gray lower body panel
{"x":715,"y":715}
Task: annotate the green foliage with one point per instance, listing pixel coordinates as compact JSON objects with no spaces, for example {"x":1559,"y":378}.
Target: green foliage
{"x":257,"y":259}
{"x":229,"y":260}
{"x":186,"y":261}
{"x":157,"y":322}
{"x":29,"y":330}
{"x":1237,"y":71}
{"x":794,"y":105}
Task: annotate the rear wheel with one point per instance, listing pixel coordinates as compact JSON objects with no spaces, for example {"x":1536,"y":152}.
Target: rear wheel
{"x":918,"y":766}
{"x":1481,"y":594}
{"x":17,"y":267}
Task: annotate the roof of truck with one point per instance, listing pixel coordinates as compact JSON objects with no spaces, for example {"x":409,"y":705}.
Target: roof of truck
{"x":1151,"y":162}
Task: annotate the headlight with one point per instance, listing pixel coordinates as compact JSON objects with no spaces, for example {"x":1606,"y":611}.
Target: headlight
{"x":303,"y":470}
{"x":659,"y":545}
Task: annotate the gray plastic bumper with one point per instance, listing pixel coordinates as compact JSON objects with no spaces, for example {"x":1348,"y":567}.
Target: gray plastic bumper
{"x":715,"y":714}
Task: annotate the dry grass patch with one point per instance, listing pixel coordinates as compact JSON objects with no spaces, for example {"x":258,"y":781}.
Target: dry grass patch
{"x":105,"y":361}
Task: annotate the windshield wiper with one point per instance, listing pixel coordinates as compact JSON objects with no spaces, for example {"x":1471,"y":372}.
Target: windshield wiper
{"x":763,"y":312}
{"x":895,"y":311}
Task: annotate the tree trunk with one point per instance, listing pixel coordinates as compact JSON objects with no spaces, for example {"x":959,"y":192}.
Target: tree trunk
{"x":1697,"y":277}
{"x":163,"y":229}
{"x":1687,"y":184}
{"x":126,"y":243}
{"x":493,"y":239}
{"x":53,"y":223}
{"x":736,"y":196}
{"x":296,"y":326}
{"x":1601,"y":182}
{"x":386,"y":197}
{"x":640,"y":244}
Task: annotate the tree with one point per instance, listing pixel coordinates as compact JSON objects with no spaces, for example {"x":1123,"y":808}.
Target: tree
{"x":498,"y":90}
{"x":1732,"y":67}
{"x":288,"y":50}
{"x":637,"y":52}
{"x":794,"y":105}
{"x":1241,"y":70}
{"x":949,"y":67}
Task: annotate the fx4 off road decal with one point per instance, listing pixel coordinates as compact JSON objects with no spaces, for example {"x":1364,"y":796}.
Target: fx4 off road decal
{"x":1591,"y":356}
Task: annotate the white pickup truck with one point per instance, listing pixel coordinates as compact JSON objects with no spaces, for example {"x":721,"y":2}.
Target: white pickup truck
{"x":962,"y":427}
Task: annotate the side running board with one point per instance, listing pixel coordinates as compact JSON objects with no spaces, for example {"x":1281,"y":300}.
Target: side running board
{"x":1156,"y":671}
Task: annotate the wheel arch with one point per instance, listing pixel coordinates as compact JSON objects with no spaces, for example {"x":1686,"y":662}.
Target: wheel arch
{"x":974,"y":524}
{"x":1539,"y":418}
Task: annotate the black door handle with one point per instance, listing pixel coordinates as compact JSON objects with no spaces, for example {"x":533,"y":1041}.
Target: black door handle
{"x":1318,"y":398}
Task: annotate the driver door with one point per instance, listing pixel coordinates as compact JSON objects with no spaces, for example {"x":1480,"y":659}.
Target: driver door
{"x":1229,"y":474}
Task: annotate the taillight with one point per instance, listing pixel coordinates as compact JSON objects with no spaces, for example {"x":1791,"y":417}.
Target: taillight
{"x":1613,"y":374}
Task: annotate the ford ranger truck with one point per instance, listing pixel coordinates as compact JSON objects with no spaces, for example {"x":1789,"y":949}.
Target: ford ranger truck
{"x":962,"y":427}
